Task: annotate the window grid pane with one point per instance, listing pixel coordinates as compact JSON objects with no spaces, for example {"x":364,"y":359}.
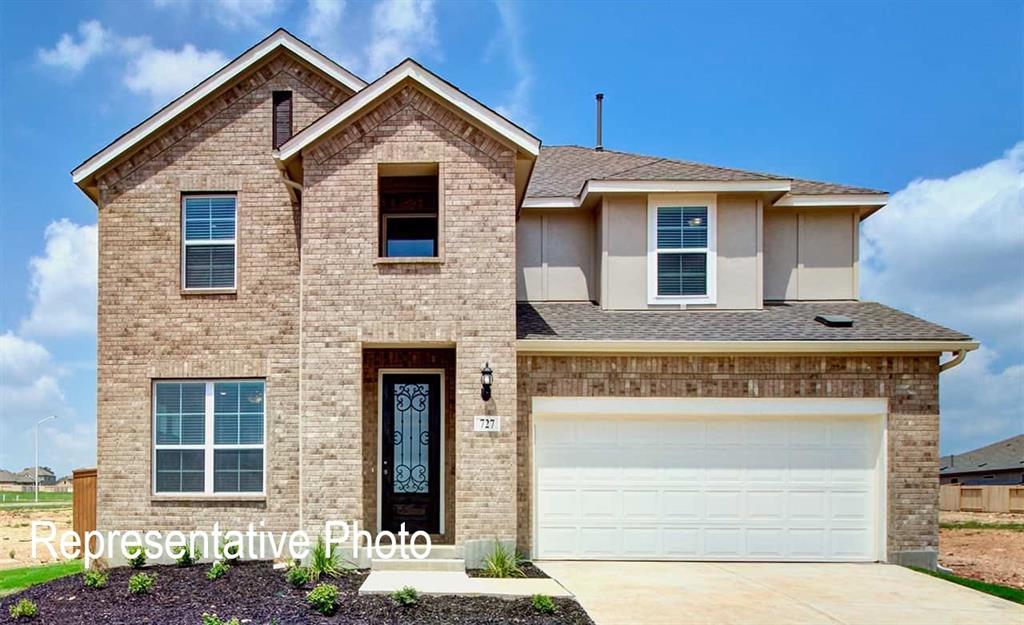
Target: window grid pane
{"x":209,"y":218}
{"x":180,"y":471}
{"x":682,"y":227}
{"x":180,"y":413}
{"x":238,"y":470}
{"x":682,"y":273}
{"x":238,"y":413}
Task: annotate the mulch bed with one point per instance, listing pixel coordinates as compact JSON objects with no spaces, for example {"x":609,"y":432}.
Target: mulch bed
{"x":257,"y":594}
{"x":528,"y":569}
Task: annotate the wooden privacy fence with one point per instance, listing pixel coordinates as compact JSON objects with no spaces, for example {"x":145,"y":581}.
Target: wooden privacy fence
{"x":83,"y":502}
{"x":958,"y":498}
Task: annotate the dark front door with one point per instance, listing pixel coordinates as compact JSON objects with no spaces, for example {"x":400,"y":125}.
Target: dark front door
{"x":411,"y":452}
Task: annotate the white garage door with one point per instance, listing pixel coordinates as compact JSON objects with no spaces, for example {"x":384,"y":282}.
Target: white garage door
{"x":707,"y":488}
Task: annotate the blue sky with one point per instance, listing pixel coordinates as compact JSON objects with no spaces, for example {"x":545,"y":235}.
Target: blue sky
{"x":922,"y":100}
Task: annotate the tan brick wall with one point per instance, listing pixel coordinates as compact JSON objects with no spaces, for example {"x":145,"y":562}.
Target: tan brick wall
{"x":373,"y":361}
{"x":910,"y":383}
{"x":467,"y":301}
{"x":149,"y":330}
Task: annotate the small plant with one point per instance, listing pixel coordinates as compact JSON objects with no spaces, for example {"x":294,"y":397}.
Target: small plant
{"x":543,"y":604}
{"x":187,"y":557}
{"x":24,"y":609}
{"x":94,"y":578}
{"x":217,"y":570}
{"x":502,"y":562}
{"x":323,"y":562}
{"x":141,"y":584}
{"x":137,"y":557}
{"x":405,"y":596}
{"x":213,"y":619}
{"x":323,"y":598}
{"x":231,"y":552}
{"x":297,"y":576}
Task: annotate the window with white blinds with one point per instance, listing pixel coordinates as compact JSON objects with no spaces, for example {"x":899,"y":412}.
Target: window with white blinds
{"x":208,"y":241}
{"x":682,"y":252}
{"x":209,"y":436}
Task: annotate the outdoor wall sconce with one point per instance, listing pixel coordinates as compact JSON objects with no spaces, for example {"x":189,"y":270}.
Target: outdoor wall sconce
{"x":486,"y":378}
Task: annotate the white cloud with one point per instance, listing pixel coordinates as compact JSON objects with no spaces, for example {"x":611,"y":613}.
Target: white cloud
{"x":63,"y":286}
{"x":952,"y":251}
{"x":509,"y":40}
{"x":233,"y":14}
{"x":73,"y":56}
{"x":166,"y":74}
{"x":399,"y":29}
{"x":370,"y":43}
{"x":29,"y":391}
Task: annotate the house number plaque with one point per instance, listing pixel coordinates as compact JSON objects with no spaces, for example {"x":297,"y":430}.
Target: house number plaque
{"x":489,"y":423}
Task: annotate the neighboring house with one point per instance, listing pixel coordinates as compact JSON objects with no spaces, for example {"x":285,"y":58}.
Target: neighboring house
{"x":305,"y":282}
{"x":998,"y":463}
{"x":27,"y":477}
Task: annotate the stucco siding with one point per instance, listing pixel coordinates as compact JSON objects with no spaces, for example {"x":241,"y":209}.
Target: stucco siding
{"x":811,"y":255}
{"x":556,"y":257}
{"x":738,"y":239}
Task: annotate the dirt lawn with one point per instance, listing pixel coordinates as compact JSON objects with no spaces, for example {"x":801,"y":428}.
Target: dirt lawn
{"x":990,"y":555}
{"x":16,"y":535}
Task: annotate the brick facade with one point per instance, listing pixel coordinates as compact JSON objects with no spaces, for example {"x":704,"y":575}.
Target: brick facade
{"x":148,"y":329}
{"x":465,"y":300}
{"x":910,"y":383}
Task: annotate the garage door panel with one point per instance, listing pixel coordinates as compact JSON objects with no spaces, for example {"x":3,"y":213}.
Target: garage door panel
{"x":707,"y":488}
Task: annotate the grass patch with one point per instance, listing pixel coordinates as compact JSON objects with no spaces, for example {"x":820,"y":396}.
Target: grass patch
{"x":30,"y":497}
{"x":981,"y":525}
{"x":13,"y":580}
{"x":996,"y":590}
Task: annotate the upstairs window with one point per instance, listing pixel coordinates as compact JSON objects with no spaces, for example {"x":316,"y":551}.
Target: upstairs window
{"x":208,"y":437}
{"x":282,"y":117}
{"x":208,"y":244}
{"x":409,"y":224}
{"x":681,"y":252}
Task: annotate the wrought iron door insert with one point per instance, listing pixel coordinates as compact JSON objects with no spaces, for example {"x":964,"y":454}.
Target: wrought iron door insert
{"x":410,"y":451}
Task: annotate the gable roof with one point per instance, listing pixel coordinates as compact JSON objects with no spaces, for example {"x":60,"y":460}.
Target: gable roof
{"x":566,"y":173}
{"x":277,"y":40}
{"x":1001,"y":456}
{"x":410,"y":70}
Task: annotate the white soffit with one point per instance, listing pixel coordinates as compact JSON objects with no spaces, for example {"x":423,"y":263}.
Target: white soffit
{"x":659,"y":186}
{"x":833,"y":199}
{"x":279,"y":39}
{"x":409,"y":69}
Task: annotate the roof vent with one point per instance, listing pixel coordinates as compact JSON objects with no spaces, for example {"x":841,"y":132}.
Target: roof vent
{"x":835,"y":321}
{"x":600,"y":101}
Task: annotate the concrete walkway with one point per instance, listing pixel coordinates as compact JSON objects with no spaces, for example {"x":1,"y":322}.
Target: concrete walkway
{"x":681,"y":593}
{"x":458,"y":583}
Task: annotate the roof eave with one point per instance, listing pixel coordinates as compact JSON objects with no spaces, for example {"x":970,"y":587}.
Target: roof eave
{"x":413,"y":71}
{"x":539,"y":346}
{"x":594,"y":186}
{"x":82,"y":175}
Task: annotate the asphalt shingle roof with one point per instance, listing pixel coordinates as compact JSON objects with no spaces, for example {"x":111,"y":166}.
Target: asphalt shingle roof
{"x":1006,"y":454}
{"x":585,"y":321}
{"x":562,"y":170}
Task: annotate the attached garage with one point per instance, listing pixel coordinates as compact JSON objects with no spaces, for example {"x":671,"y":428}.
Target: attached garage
{"x":709,"y":479}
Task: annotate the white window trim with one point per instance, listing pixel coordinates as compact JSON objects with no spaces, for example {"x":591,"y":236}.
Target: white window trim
{"x":185,"y":243}
{"x":656,"y":201}
{"x":209,"y":446}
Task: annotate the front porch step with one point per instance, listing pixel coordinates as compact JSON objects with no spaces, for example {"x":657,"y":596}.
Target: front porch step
{"x":436,"y":564}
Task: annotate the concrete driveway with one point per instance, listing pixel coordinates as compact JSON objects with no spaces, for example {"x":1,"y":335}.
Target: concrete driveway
{"x":677,"y":593}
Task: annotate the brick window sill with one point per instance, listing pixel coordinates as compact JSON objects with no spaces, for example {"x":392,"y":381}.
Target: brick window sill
{"x":409,"y":260}
{"x":202,"y":292}
{"x":200,"y":498}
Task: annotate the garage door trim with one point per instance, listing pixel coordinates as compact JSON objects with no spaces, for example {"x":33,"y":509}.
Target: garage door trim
{"x":859,"y":407}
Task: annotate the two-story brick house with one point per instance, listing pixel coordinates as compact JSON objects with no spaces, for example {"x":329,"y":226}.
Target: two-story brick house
{"x":322,"y":299}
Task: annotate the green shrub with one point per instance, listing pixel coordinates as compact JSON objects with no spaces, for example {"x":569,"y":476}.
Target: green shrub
{"x":543,"y":604}
{"x":137,"y":557}
{"x":323,"y":598}
{"x":297,"y":576}
{"x":141,"y":584}
{"x":502,"y":562}
{"x":217,"y":570}
{"x":187,"y":556}
{"x":231,"y":553}
{"x":94,"y":578}
{"x":322,"y":562}
{"x":24,"y":609}
{"x":213,"y":619}
{"x":405,"y":596}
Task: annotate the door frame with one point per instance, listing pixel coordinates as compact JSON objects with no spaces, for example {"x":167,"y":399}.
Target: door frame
{"x":441,"y":500}
{"x":873,"y":409}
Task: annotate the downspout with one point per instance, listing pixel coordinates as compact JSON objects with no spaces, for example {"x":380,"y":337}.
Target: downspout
{"x":958,"y":358}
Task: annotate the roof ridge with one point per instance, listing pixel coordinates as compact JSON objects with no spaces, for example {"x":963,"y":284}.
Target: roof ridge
{"x":680,"y":161}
